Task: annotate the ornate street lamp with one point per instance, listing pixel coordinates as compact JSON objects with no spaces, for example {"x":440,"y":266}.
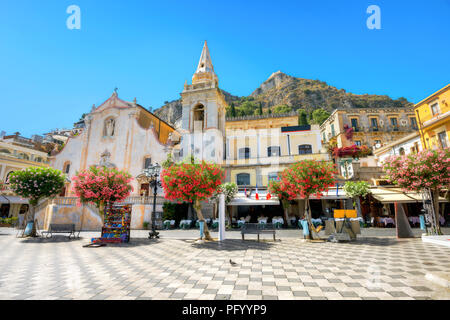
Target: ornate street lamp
{"x":152,"y":174}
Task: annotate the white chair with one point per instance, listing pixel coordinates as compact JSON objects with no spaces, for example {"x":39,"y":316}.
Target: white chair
{"x":262,"y":220}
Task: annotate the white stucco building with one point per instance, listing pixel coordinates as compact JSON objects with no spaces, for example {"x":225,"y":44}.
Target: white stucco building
{"x":406,"y":145}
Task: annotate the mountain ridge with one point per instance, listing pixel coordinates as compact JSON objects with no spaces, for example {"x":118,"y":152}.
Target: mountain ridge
{"x":282,"y":92}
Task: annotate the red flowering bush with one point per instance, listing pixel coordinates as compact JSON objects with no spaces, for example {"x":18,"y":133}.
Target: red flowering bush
{"x":276,"y":187}
{"x":306,"y":178}
{"x":193,"y":183}
{"x":364,"y":151}
{"x":352,"y":151}
{"x":428,"y":169}
{"x":348,"y":131}
{"x":100,"y":185}
{"x":186,"y":182}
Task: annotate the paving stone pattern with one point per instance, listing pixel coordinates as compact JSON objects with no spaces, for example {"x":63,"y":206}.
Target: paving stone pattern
{"x":168,"y":268}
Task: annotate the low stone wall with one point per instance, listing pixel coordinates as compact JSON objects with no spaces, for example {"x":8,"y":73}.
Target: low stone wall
{"x":141,"y":213}
{"x":86,"y":217}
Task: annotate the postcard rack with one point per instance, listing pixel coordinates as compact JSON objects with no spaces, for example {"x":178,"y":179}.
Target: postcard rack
{"x":116,"y":227}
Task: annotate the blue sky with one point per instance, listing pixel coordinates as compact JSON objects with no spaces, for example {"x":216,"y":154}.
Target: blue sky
{"x":50,"y":75}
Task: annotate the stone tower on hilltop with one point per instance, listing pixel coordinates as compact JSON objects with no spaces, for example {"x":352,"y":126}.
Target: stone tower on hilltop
{"x":203,"y":113}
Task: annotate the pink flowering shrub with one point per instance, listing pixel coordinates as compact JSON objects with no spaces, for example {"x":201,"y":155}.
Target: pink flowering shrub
{"x":100,"y":185}
{"x":426,"y":170}
{"x":36,"y":183}
{"x":429,"y":169}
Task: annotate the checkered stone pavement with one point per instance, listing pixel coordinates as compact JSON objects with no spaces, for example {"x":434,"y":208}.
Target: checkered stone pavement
{"x":168,"y":268}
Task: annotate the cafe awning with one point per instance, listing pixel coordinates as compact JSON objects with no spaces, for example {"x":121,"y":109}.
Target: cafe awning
{"x":391,"y":195}
{"x":253,"y":202}
{"x":331,"y":194}
{"x":12,"y":200}
{"x":241,"y":200}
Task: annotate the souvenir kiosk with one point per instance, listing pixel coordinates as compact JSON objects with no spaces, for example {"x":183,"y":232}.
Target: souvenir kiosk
{"x":116,"y":227}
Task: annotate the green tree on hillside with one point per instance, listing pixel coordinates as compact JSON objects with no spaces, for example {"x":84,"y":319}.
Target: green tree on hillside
{"x":246,"y":109}
{"x":319,"y":116}
{"x":302,"y":117}
{"x":233,"y":110}
{"x":281,"y":109}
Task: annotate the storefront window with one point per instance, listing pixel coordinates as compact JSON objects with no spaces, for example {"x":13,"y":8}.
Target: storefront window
{"x":304,"y":149}
{"x":243,"y":179}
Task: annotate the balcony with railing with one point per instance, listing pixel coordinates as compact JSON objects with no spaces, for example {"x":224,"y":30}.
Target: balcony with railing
{"x":22,"y":156}
{"x":200,"y":86}
{"x":385,"y":128}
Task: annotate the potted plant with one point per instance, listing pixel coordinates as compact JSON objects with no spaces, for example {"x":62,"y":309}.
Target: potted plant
{"x":8,"y":222}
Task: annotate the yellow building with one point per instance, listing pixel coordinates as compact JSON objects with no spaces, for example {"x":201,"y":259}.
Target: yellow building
{"x":258,"y":148}
{"x":16,"y":153}
{"x":374,"y":127}
{"x":433,"y":117}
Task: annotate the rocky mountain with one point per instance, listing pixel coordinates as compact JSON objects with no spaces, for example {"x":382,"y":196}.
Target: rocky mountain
{"x":284,"y":90}
{"x":170,"y":112}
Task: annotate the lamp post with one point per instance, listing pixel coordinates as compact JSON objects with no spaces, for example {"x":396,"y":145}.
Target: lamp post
{"x":152,"y":173}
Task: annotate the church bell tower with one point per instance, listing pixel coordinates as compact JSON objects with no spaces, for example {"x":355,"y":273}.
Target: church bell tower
{"x":203,"y":113}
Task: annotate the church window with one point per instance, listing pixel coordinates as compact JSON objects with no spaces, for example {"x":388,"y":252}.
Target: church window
{"x":147,"y":162}
{"x":66,"y":168}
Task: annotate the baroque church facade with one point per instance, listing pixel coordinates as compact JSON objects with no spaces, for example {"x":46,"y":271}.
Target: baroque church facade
{"x":118,"y":134}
